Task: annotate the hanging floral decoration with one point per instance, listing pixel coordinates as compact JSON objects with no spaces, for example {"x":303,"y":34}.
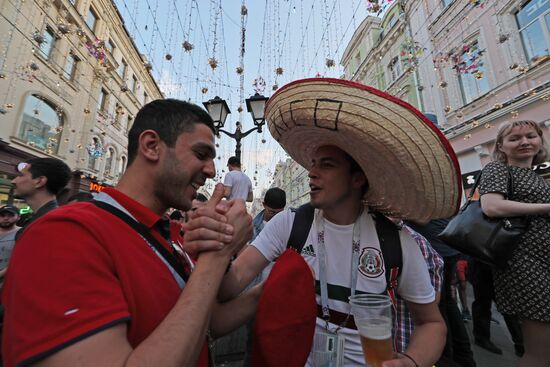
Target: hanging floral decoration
{"x":187,"y":46}
{"x":38,"y":38}
{"x":441,"y":60}
{"x":95,"y":149}
{"x":468,"y":59}
{"x":330,"y":63}
{"x":97,"y":50}
{"x":204,"y":90}
{"x":410,"y":53}
{"x":279,"y":70}
{"x":63,"y":28}
{"x":259,"y":85}
{"x":239,"y":70}
{"x":168,"y":57}
{"x":478,"y":3}
{"x":213,"y":62}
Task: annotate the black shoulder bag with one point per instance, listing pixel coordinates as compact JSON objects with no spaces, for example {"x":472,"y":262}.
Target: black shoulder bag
{"x":490,"y":240}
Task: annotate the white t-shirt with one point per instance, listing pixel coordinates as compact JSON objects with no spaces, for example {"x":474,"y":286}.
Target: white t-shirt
{"x":240,"y":185}
{"x":414,"y":282}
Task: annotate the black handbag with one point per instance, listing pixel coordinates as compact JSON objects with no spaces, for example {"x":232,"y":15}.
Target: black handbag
{"x":490,"y":240}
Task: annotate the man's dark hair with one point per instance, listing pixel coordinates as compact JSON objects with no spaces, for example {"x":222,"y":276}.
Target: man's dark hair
{"x":169,"y":118}
{"x":234,"y":161}
{"x":80,"y":196}
{"x":55,"y":170}
{"x":200,"y":197}
{"x":275,"y":198}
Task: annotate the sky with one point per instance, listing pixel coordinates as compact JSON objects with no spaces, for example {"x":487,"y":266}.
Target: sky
{"x":297,"y":36}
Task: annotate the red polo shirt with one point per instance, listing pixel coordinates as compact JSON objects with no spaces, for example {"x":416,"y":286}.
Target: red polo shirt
{"x":80,"y":270}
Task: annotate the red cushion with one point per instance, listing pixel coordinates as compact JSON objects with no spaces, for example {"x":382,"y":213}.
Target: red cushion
{"x":285,"y":319}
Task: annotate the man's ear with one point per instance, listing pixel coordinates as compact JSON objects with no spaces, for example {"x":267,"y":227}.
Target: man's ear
{"x":358,"y":179}
{"x":150,"y":145}
{"x":40,"y":182}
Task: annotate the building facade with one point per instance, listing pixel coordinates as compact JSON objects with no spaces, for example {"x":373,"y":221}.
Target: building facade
{"x":71,"y":82}
{"x":469,"y":66}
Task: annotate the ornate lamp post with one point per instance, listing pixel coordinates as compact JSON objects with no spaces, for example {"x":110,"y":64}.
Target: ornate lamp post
{"x":217,"y":109}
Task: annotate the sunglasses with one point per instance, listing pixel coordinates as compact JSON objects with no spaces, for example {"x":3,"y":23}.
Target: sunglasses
{"x":21,"y":166}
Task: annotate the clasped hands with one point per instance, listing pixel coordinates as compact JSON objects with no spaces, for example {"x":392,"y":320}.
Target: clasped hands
{"x":220,"y":225}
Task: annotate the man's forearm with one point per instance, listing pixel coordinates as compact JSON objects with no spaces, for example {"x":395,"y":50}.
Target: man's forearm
{"x":177,"y":341}
{"x":228,"y":316}
{"x":427,"y":343}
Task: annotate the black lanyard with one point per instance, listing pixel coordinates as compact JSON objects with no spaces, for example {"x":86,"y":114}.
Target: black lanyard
{"x":172,"y":259}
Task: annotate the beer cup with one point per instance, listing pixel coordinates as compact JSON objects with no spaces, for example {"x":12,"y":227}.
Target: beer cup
{"x":372,"y":314}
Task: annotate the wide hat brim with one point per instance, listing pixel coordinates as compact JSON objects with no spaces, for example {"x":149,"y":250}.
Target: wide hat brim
{"x":411,"y":168}
{"x":286,"y":314}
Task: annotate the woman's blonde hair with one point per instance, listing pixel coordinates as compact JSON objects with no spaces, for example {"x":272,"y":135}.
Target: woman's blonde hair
{"x":506,"y":128}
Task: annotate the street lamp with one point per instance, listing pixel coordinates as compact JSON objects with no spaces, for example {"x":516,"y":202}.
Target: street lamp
{"x":218,"y":110}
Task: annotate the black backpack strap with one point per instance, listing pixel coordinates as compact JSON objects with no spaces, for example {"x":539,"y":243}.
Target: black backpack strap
{"x":172,"y":259}
{"x":390,"y":245}
{"x":303,"y":220}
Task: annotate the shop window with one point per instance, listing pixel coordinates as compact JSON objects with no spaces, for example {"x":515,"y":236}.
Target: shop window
{"x":95,"y":151}
{"x":534,"y":27}
{"x":41,"y":124}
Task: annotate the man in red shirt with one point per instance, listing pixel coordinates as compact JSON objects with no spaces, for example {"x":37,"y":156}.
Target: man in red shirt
{"x":102,"y":283}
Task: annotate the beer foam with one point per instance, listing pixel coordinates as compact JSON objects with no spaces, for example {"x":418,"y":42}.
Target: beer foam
{"x":376,"y":329}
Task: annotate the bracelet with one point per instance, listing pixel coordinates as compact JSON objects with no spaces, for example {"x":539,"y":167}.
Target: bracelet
{"x":409,"y":357}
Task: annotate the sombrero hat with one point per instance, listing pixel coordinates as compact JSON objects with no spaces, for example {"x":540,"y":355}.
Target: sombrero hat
{"x":412,"y":170}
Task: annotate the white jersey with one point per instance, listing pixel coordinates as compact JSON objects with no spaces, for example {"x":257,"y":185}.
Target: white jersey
{"x":414,"y":282}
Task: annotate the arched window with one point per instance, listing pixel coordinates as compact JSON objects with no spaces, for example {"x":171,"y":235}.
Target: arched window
{"x":41,"y":124}
{"x":95,"y":151}
{"x":122,"y":166}
{"x":109,"y":157}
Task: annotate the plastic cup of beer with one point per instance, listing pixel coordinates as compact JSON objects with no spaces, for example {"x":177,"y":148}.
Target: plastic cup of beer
{"x":372,"y":314}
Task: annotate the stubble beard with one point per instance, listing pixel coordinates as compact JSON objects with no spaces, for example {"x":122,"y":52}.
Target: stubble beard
{"x":171,"y":185}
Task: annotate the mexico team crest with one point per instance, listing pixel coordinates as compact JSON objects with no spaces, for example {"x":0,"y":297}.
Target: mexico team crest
{"x":371,"y":264}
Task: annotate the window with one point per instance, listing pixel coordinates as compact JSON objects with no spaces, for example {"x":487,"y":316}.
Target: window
{"x":471,"y":72}
{"x":111,"y":46}
{"x":129,"y":122}
{"x":71,"y":64}
{"x":102,"y":100}
{"x":446,"y":3}
{"x":122,"y":68}
{"x":109,"y":162}
{"x":46,"y":47}
{"x":394,"y":69}
{"x":133,"y":86}
{"x":392,"y":22}
{"x":41,"y":124}
{"x":534,"y":26}
{"x":145,"y":98}
{"x":119,"y":113}
{"x":95,"y":150}
{"x":91,"y":21}
{"x":122,"y":166}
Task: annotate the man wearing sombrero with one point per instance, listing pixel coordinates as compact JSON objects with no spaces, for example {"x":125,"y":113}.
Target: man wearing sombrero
{"x":365,"y":151}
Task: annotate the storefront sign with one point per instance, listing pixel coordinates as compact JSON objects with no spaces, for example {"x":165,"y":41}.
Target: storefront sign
{"x":96,"y":187}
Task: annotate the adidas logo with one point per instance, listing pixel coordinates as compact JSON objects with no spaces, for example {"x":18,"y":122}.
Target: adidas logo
{"x":308,"y":250}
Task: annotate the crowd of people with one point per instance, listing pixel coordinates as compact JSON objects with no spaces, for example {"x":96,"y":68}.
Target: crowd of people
{"x":151,"y":271}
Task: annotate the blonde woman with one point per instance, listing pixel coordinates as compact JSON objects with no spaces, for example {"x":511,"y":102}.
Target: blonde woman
{"x":523,"y":289}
